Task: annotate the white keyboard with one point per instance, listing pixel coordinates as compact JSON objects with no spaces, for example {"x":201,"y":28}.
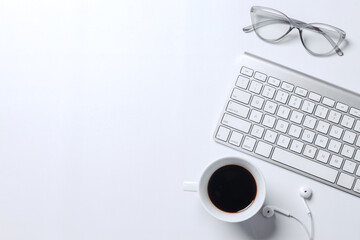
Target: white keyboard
{"x":294,"y":121}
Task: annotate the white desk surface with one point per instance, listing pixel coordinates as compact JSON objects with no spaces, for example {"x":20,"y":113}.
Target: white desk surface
{"x":106,"y":107}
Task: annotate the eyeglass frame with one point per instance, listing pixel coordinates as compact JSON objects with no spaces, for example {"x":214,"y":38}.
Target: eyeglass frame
{"x":293,"y":23}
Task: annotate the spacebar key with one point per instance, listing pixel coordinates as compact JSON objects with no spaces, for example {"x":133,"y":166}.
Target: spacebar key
{"x":304,"y":164}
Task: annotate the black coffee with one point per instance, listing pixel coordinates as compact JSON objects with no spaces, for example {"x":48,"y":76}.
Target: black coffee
{"x":232,"y":188}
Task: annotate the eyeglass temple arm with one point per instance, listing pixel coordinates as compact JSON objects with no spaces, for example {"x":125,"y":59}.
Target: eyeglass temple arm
{"x":272,"y":21}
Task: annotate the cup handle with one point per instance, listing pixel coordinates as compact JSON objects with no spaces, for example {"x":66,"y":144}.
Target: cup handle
{"x":191,"y":186}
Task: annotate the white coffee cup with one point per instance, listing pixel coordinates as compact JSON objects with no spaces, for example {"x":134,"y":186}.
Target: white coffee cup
{"x":202,"y":188}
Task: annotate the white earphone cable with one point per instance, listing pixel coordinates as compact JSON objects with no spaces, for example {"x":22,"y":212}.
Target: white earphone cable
{"x":303,"y":225}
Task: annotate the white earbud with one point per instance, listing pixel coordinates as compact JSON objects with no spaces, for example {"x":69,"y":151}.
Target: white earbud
{"x":269,"y":211}
{"x":305,"y":193}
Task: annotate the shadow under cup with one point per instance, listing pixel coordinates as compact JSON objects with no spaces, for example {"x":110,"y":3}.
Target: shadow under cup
{"x":232,"y":189}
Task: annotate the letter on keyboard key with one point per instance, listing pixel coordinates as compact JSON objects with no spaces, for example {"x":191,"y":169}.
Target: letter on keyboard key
{"x":263,"y":149}
{"x":345,"y":181}
{"x":236,"y":123}
{"x":305,"y":165}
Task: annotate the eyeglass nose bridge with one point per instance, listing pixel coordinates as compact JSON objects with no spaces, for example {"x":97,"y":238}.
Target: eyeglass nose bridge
{"x":297,"y":24}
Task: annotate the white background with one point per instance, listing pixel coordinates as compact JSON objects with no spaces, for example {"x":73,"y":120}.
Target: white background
{"x":106,"y":107}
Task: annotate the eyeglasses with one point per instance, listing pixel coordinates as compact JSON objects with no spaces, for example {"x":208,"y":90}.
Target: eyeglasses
{"x":318,"y":39}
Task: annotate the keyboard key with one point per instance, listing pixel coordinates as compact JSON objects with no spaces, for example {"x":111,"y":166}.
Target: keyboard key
{"x":357,"y":186}
{"x":304,"y":164}
{"x":255,"y":87}
{"x":281,"y":97}
{"x":248,"y":143}
{"x":300,"y":91}
{"x":270,"y":136}
{"x":310,"y":151}
{"x":357,"y":126}
{"x":269,"y":121}
{"x":308,"y":106}
{"x":295,"y":102}
{"x":287,"y":86}
{"x":347,"y":151}
{"x":247,"y":71}
{"x":270,"y":107}
{"x":358,"y":142}
{"x":268,"y":92}
{"x":328,"y":102}
{"x":260,"y":76}
{"x":336,"y":161}
{"x":222,"y":133}
{"x":237,"y":109}
{"x":263,"y":149}
{"x":257,"y":131}
{"x":241,"y":96}
{"x":345,"y":180}
{"x":334,"y":116}
{"x":349,"y":166}
{"x":334,"y":146}
{"x":296,"y":146}
{"x":308,"y":136}
{"x":295,"y":131}
{"x":323,"y":127}
{"x":321,"y":111}
{"x":242,"y":82}
{"x":314,"y":96}
{"x":257,"y":102}
{"x":321,"y":141}
{"x":283,"y":141}
{"x":236,"y":123}
{"x":236,"y":138}
{"x":347,"y":121}
{"x":336,"y":132}
{"x":274,"y":81}
{"x":283,"y":112}
{"x":349,"y":137}
{"x":309,"y":122}
{"x":342,"y":107}
{"x":281,"y":126}
{"x":296,"y":117}
{"x":357,"y":155}
{"x":355,"y":112}
{"x":255,"y":116}
{"x":323,"y":156}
